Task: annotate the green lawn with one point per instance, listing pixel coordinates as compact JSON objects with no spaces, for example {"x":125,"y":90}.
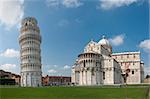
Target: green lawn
{"x":73,"y":93}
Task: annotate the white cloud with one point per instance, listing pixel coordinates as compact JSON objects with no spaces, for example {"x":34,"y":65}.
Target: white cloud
{"x":55,"y":70}
{"x":63,"y":22}
{"x":51,"y":66}
{"x":66,"y":67}
{"x":53,"y":3}
{"x":55,"y":66}
{"x":117,"y":40}
{"x":8,"y":67}
{"x":109,"y":4}
{"x":145,"y":45}
{"x":52,"y":71}
{"x":72,"y":3}
{"x":11,"y":12}
{"x":65,"y":3}
{"x":10,"y":53}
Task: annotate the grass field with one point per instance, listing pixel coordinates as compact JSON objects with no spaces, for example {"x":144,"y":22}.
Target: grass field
{"x":73,"y":93}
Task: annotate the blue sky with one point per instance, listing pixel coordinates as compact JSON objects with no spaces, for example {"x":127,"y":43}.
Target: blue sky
{"x":68,"y":25}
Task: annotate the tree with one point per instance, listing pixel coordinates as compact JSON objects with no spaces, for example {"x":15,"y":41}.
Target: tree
{"x":147,"y":76}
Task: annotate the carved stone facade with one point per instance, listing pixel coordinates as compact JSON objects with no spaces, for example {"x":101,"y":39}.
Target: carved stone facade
{"x":98,"y":66}
{"x":132,"y":61}
{"x":30,"y":40}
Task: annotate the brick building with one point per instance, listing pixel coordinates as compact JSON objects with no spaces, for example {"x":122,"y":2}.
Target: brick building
{"x":56,"y":80}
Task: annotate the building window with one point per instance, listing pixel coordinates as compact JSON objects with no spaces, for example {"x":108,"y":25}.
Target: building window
{"x":133,"y":56}
{"x":96,"y":64}
{"x":127,"y":56}
{"x":121,"y":57}
{"x":84,"y":64}
{"x":133,"y":63}
{"x":92,"y":72}
{"x":132,"y":72}
{"x":103,"y":75}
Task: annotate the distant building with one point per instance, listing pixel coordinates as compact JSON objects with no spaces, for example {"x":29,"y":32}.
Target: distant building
{"x":97,"y":65}
{"x":9,"y":78}
{"x":4,"y":74}
{"x":56,"y":80}
{"x":17,"y":78}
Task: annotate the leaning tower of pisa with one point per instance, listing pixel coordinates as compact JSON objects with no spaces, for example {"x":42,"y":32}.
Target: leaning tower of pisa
{"x":30,"y":53}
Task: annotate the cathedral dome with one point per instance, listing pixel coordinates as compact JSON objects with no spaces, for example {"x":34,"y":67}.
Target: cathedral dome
{"x":104,"y":41}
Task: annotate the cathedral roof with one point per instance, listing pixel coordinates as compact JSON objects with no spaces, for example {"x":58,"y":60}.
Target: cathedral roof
{"x":104,"y":41}
{"x":92,"y":42}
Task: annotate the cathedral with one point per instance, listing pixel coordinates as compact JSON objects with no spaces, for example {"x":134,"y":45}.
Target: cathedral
{"x":97,"y":65}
